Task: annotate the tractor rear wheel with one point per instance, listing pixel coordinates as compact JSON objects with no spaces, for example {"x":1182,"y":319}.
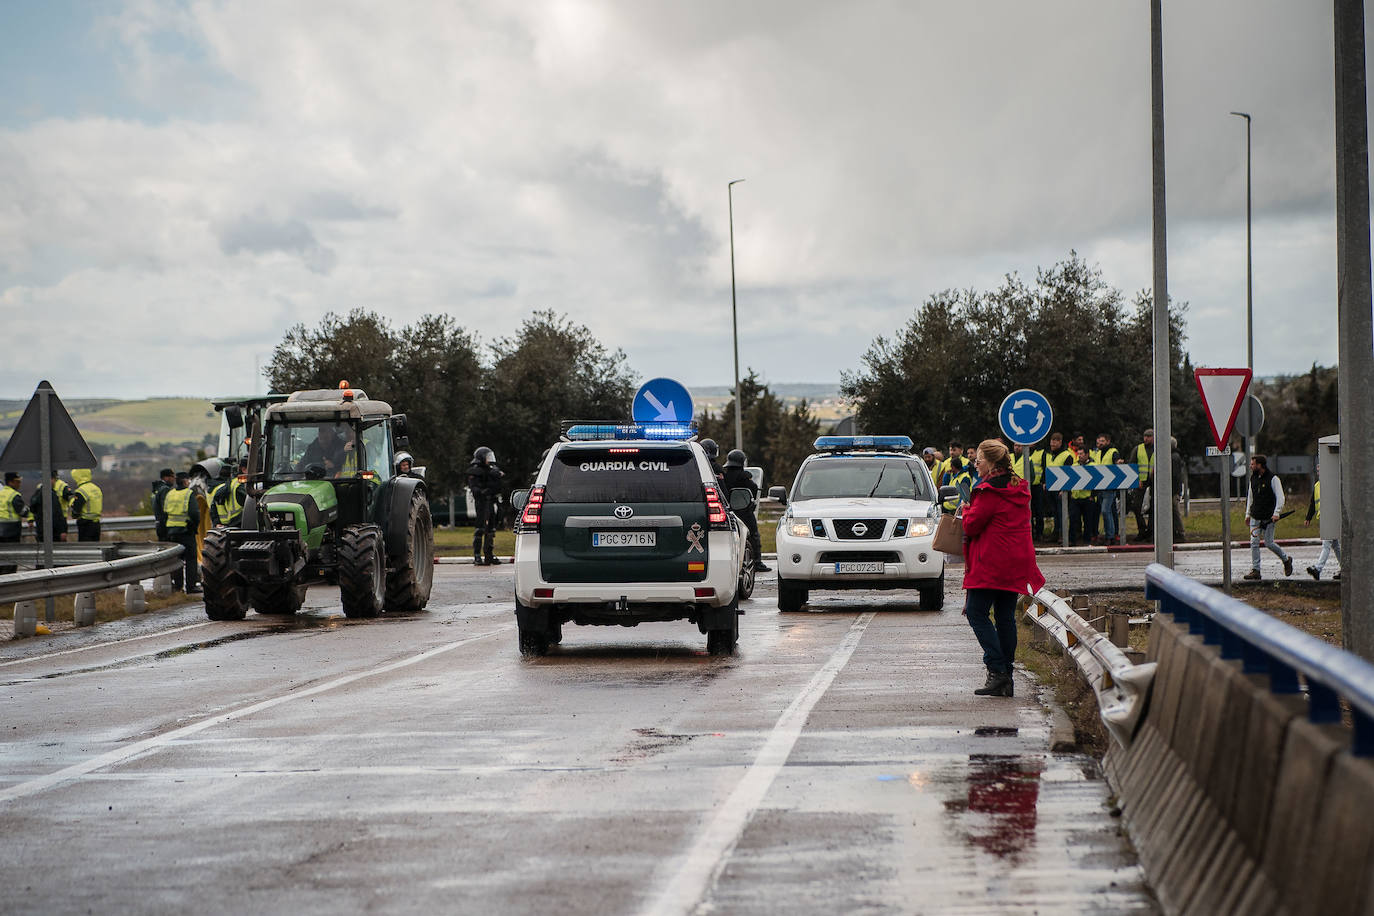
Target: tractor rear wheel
{"x":283,"y":599}
{"x":224,"y":597}
{"x":362,"y":571}
{"x":408,"y":584}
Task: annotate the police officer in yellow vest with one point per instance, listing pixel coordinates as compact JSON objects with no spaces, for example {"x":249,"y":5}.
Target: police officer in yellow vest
{"x":87,"y":505}
{"x":183,"y":520}
{"x":12,"y":509}
{"x":1059,"y":455}
{"x":226,"y":500}
{"x":1143,"y":457}
{"x":1037,"y":486}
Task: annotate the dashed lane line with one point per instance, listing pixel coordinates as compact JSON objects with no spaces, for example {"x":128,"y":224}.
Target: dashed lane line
{"x":119,"y":755}
{"x":708,"y":854}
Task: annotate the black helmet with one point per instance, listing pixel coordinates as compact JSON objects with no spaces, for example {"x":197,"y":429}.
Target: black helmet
{"x":484,"y":455}
{"x":735,"y":459}
{"x":710,"y":448}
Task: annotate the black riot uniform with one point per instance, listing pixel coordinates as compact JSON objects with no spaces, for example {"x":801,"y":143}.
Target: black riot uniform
{"x":484,"y":480}
{"x":736,"y":477}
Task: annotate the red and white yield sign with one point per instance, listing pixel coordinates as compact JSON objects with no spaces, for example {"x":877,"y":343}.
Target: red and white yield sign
{"x":1223,"y":391}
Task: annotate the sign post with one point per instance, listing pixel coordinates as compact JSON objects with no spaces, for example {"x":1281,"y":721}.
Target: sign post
{"x":1025,"y":417}
{"x":1223,"y":391}
{"x":44,"y":438}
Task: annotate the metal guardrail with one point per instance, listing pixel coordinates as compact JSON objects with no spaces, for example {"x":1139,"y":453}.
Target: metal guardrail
{"x":1120,"y":686}
{"x":82,"y":567}
{"x":128,"y":523}
{"x":1269,"y":646}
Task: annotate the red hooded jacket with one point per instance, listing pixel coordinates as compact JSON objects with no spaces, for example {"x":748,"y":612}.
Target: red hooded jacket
{"x":998,"y":551}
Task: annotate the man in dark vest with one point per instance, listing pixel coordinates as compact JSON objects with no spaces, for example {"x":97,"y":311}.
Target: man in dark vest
{"x":1262,"y":511}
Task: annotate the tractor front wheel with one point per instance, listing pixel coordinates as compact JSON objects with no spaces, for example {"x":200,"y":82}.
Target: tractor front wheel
{"x":224,"y":597}
{"x":362,"y":571}
{"x":408,"y":584}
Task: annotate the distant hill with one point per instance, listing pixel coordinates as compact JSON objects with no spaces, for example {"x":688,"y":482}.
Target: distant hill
{"x":822,"y":398}
{"x":113,"y":423}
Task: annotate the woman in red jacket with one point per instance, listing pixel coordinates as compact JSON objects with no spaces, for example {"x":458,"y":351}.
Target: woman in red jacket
{"x":999,"y":561}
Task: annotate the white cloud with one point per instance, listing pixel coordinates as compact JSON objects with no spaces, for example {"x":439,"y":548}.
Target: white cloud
{"x":488,"y":159}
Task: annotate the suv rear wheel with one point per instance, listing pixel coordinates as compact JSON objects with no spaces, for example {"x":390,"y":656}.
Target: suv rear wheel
{"x":791,"y":597}
{"x":723,"y":640}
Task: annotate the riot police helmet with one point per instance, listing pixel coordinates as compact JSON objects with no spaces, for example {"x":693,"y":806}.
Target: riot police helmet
{"x":710,"y":448}
{"x":735,"y":459}
{"x":404,"y":458}
{"x":484,"y":455}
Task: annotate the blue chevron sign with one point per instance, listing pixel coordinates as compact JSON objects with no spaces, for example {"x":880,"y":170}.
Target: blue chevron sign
{"x":1092,"y":477}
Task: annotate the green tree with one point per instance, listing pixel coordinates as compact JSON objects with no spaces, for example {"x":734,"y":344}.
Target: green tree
{"x":359,"y":348}
{"x":550,"y":370}
{"x":775,"y":438}
{"x":430,"y":371}
{"x":1070,"y":335}
{"x":438,"y":372}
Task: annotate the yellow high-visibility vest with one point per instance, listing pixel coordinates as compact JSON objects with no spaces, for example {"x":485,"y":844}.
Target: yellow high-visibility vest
{"x":177,"y":506}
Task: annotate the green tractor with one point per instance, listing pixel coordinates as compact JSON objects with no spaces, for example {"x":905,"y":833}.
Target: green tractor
{"x":325,"y":505}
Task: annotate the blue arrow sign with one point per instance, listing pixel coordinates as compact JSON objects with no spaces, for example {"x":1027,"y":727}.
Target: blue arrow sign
{"x":1092,"y":477}
{"x":1025,"y":416}
{"x":662,"y":400}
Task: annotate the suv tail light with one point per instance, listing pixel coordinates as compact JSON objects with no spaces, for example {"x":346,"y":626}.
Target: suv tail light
{"x":715,"y":509}
{"x":529,"y":519}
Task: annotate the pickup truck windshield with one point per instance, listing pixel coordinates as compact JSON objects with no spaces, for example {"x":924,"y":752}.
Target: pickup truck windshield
{"x":886,"y":478}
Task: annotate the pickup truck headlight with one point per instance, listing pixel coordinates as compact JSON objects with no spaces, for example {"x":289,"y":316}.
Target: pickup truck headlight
{"x":920,"y":528}
{"x":799,"y":527}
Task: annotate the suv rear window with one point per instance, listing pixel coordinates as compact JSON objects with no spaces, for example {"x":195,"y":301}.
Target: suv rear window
{"x":624,"y":474}
{"x":888,"y":478}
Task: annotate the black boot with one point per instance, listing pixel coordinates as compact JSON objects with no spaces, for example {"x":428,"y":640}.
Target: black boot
{"x":492,"y":561}
{"x":477,"y":559}
{"x":998,"y":685}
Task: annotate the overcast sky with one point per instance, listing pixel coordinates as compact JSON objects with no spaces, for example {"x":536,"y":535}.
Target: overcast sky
{"x":180,"y":182}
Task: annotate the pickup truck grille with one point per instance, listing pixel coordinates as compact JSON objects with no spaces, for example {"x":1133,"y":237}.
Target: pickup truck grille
{"x":859,"y":529}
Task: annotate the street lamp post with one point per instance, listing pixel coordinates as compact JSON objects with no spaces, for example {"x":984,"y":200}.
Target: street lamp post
{"x":1249,"y":294}
{"x":734,"y":313}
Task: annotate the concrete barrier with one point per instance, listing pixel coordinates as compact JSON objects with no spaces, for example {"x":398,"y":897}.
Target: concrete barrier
{"x":1235,"y":801}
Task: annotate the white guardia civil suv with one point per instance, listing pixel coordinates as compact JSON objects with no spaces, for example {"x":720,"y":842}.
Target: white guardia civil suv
{"x":861,"y":514}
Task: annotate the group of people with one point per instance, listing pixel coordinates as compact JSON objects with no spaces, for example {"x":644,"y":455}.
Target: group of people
{"x":80,"y":501}
{"x":1092,"y":515}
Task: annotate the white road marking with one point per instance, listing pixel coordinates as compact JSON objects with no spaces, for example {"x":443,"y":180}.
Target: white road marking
{"x":104,"y":645}
{"x":119,"y":755}
{"x":707,"y":856}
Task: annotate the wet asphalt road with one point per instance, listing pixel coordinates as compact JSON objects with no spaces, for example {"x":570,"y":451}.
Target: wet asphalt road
{"x":837,"y":763}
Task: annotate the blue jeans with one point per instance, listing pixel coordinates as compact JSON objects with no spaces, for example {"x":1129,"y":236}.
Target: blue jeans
{"x":997,"y":639}
{"x":1109,"y":514}
{"x":1266,"y":531}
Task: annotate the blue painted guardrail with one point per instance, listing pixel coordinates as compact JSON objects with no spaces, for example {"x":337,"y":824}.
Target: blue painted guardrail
{"x":1269,"y":646}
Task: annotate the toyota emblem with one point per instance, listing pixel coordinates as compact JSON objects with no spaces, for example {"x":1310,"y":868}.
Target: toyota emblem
{"x":859,"y":529}
{"x":623,"y":512}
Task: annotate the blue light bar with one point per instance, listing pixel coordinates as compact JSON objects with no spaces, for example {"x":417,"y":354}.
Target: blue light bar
{"x":598,"y":432}
{"x":862,"y":444}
